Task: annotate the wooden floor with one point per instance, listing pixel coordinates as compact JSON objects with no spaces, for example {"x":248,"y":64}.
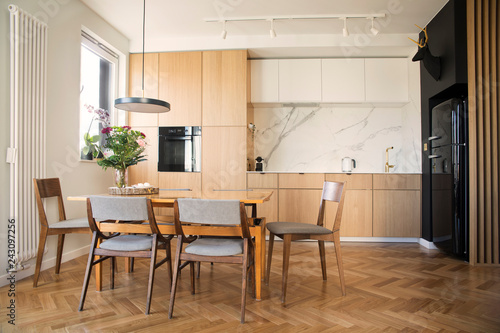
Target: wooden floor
{"x":390,"y":288}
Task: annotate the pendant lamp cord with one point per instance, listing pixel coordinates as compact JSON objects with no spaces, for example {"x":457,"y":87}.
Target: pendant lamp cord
{"x":143,"y":42}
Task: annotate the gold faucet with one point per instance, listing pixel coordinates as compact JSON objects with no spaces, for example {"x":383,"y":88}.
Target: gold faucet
{"x":387,"y":165}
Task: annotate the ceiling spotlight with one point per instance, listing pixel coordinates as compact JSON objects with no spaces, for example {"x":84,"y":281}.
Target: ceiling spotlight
{"x":345,"y":32}
{"x":272,"y":33}
{"x":224,"y":32}
{"x":373,"y":29}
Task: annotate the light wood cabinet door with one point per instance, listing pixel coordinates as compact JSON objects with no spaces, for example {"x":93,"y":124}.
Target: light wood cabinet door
{"x":180,"y":85}
{"x":300,"y":80}
{"x":386,"y":79}
{"x":297,"y":205}
{"x":146,"y":171}
{"x":301,"y":180}
{"x":396,"y":213}
{"x":353,"y":181}
{"x":150,"y":86}
{"x":395,"y":182}
{"x":223,"y":159}
{"x":264,"y":81}
{"x":188,"y":181}
{"x":356,"y":216}
{"x":262,"y":180}
{"x":343,"y":80}
{"x":224,"y":88}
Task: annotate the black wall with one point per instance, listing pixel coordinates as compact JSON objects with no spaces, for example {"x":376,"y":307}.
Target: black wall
{"x":447,"y":34}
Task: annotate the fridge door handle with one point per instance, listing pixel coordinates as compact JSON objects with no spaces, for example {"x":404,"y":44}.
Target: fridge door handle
{"x":434,"y":156}
{"x":432,"y":138}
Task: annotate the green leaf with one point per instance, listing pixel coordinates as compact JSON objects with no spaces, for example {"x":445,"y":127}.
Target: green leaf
{"x":95,"y":138}
{"x":85,"y":150}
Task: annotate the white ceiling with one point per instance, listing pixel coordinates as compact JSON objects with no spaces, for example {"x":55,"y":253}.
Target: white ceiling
{"x":175,"y":25}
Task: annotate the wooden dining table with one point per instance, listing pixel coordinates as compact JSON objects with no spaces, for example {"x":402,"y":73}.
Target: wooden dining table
{"x":167,"y":199}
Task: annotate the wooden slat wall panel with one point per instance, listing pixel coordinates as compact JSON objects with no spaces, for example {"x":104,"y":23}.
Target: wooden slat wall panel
{"x":483,"y":51}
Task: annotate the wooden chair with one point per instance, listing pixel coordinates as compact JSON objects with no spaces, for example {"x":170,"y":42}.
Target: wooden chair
{"x":47,"y":188}
{"x":290,"y":231}
{"x":206,"y":249}
{"x":107,"y":209}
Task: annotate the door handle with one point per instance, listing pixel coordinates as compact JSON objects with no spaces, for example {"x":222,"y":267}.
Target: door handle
{"x":434,"y":156}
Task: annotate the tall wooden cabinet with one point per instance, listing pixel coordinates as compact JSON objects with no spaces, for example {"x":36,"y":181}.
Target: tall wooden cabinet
{"x":299,"y":197}
{"x":265,"y":182}
{"x":146,"y":171}
{"x":224,"y":88}
{"x":180,"y":85}
{"x":150,"y":85}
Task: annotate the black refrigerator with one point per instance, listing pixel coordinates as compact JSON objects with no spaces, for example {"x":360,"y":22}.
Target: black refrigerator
{"x":449,"y":177}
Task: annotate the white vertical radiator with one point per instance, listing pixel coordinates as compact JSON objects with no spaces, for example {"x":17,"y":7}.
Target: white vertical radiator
{"x":26,"y":154}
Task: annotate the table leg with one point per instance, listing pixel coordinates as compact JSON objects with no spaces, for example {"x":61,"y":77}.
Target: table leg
{"x":259,"y":243}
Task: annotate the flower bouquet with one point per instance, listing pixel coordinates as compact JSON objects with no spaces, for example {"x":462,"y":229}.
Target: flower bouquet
{"x":123,"y":147}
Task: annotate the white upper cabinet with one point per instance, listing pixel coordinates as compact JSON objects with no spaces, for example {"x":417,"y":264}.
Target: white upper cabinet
{"x":343,"y":80}
{"x":299,"y":80}
{"x":264,"y":81}
{"x":386,"y":80}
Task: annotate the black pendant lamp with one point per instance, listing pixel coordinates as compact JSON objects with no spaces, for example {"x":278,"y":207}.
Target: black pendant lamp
{"x":142,"y":104}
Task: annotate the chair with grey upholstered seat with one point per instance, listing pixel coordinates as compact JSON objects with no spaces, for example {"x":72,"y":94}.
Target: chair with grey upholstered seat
{"x":106,"y":209}
{"x":216,"y":214}
{"x":48,"y":188}
{"x":290,"y":231}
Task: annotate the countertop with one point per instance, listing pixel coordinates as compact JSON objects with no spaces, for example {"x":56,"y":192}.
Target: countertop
{"x":348,"y":173}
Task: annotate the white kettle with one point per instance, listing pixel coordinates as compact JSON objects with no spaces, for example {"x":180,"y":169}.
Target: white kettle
{"x":348,"y":164}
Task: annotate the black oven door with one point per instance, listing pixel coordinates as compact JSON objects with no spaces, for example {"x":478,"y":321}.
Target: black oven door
{"x":175,"y":153}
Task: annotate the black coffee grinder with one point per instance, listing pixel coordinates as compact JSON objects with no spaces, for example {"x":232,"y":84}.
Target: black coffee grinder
{"x":258,"y":165}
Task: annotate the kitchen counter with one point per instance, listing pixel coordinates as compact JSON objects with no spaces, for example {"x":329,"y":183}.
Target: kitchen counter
{"x":347,"y":173}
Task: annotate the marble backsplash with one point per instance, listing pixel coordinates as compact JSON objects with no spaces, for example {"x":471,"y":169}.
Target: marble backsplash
{"x":315,"y":139}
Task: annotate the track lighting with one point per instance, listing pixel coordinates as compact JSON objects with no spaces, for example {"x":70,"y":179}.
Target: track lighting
{"x":272,"y":33}
{"x":373,"y":29}
{"x":345,"y":32}
{"x":224,"y":32}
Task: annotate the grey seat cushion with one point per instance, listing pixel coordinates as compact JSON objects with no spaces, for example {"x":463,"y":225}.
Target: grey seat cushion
{"x":216,"y":247}
{"x":127,"y":243}
{"x":82,"y":222}
{"x":280,"y":228}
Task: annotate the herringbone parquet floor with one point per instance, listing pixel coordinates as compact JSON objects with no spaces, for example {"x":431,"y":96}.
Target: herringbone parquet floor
{"x":390,"y":288}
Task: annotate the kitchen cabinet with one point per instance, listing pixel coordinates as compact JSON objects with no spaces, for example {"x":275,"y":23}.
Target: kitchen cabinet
{"x":299,"y":196}
{"x":180,"y":85}
{"x":224,"y":88}
{"x":386,"y":80}
{"x":299,"y":80}
{"x":265,"y":182}
{"x":357,"y":213}
{"x":264,"y":81}
{"x":189,"y":181}
{"x":146,"y":171}
{"x":396,"y":205}
{"x":223,"y":158}
{"x":343,"y":80}
{"x":150,"y":86}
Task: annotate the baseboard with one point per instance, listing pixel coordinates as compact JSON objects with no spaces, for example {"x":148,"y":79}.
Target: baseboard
{"x":428,"y":245}
{"x":380,"y":239}
{"x":46,"y":264}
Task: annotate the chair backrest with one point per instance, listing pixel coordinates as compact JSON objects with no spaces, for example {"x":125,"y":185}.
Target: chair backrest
{"x":213,"y":212}
{"x":105,"y":208}
{"x":48,"y":188}
{"x":332,"y":191}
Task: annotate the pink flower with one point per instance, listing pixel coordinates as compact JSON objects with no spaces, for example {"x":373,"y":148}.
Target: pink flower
{"x":127,"y":127}
{"x":141,"y":142}
{"x":106,"y":130}
{"x":143,"y":135}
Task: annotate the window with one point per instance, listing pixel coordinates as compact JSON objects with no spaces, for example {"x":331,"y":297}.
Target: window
{"x":98,"y":88}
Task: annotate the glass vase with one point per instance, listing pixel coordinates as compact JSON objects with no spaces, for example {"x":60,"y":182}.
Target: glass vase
{"x":121,"y":178}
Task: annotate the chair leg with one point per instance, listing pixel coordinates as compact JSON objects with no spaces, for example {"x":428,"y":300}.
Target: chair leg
{"x":198,"y":269}
{"x":169,"y":256}
{"x":322,"y":255}
{"x":112,"y":273}
{"x":338,"y":254}
{"x":177,"y":263}
{"x":244,"y":279}
{"x":287,"y":242}
{"x":152,"y":266}
{"x":60,"y":245}
{"x":39,"y":257}
{"x":88,"y":271}
{"x":269,"y":257}
{"x":191,"y":275}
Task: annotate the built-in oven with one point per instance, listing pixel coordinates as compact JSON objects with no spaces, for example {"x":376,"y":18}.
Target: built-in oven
{"x":179,"y":149}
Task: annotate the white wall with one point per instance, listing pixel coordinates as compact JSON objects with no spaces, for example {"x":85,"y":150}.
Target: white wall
{"x":65,"y":19}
